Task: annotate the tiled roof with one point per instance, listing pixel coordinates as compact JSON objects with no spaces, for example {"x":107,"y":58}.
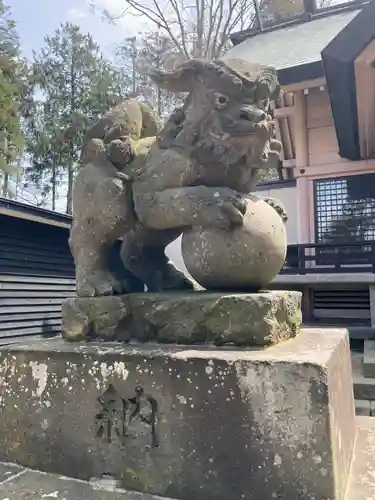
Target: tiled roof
{"x":294,"y":45}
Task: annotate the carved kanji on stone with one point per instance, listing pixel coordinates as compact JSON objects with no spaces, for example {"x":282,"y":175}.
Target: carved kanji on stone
{"x":116,"y":414}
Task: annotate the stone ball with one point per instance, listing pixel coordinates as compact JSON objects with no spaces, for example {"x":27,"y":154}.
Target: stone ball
{"x":246,"y":257}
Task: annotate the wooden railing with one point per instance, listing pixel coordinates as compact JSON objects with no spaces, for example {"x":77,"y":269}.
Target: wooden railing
{"x":330,"y":258}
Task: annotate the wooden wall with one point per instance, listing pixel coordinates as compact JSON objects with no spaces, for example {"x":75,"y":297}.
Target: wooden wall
{"x":36,"y":275}
{"x":288,"y":196}
{"x":322,"y":141}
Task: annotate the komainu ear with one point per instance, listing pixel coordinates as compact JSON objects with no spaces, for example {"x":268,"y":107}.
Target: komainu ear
{"x":268,"y":83}
{"x":181,"y":79}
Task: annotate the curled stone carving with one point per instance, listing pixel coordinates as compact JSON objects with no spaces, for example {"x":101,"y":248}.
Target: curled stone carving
{"x":148,"y":185}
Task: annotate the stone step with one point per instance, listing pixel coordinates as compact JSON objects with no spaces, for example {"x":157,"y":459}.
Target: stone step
{"x":364,"y":388}
{"x":361,"y":332}
{"x":365,"y":407}
{"x":19,"y":483}
{"x":368,"y":365}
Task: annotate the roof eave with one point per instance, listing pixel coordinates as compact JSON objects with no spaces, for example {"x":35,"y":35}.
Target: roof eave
{"x":338,"y":62}
{"x":239,"y":36}
{"x":20,"y":210}
{"x":300,"y":73}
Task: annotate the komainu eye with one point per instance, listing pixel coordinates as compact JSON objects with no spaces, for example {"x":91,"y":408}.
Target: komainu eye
{"x":221,"y":100}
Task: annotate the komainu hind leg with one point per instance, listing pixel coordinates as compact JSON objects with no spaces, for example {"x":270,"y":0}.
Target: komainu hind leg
{"x":143,"y":254}
{"x":93,"y":277}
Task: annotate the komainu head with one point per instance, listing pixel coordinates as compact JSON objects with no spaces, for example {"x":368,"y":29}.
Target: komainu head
{"x":225,"y":115}
{"x":118,"y":128}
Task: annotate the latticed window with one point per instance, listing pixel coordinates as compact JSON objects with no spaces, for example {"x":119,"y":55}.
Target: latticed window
{"x":345,"y":209}
{"x":345,"y":219}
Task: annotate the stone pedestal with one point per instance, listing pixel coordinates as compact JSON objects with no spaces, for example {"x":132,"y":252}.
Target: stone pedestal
{"x":186,"y":317}
{"x":198,"y":423}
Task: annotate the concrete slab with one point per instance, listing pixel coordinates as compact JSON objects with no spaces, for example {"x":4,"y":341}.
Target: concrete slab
{"x":8,"y":471}
{"x":185,"y":422}
{"x":326,"y":278}
{"x":362,"y":481}
{"x":33,"y":485}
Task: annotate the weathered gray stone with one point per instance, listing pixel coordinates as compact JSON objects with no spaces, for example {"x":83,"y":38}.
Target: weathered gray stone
{"x":243,"y":319}
{"x":244,"y":257}
{"x":231,"y":424}
{"x":24,"y":484}
{"x":195,"y":173}
{"x":362,"y":478}
{"x":8,"y":471}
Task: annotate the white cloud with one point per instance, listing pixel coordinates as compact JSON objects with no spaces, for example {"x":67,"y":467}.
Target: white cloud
{"x":113,"y":6}
{"x":127,"y":24}
{"x":75,"y":14}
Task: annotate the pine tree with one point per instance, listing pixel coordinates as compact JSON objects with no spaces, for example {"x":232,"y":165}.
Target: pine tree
{"x":10,"y":96}
{"x":77,"y":84}
{"x":157,"y":51}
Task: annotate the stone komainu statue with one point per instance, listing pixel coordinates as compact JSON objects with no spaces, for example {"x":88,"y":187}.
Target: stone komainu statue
{"x":146,"y":185}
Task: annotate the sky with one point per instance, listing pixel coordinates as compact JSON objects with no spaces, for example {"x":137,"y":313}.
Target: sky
{"x":37,"y":18}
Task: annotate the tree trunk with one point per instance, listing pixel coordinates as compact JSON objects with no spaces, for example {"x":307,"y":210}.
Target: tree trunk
{"x":69,"y":195}
{"x":53,"y":186}
{"x":159,"y":99}
{"x":6,"y":185}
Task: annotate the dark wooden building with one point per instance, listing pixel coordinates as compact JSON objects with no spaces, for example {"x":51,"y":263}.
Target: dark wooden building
{"x":36,"y":270}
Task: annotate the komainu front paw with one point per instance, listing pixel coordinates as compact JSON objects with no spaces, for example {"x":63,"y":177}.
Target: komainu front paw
{"x":278,"y":206}
{"x":98,"y":284}
{"x":226,"y":210}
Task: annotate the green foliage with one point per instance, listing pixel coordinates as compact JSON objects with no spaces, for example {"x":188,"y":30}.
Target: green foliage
{"x":11,"y":86}
{"x":155,"y":50}
{"x":76,"y":85}
{"x":354,"y":222}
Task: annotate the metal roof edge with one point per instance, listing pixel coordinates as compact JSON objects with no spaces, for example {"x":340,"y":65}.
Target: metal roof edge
{"x":20,"y":210}
{"x":275,"y":184}
{"x":239,"y":36}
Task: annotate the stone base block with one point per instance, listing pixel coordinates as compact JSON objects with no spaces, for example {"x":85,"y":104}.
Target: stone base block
{"x":198,"y":423}
{"x":17,"y":483}
{"x":186,"y":318}
{"x":362,"y":479}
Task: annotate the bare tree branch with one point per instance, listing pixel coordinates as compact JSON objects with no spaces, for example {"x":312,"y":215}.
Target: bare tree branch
{"x":181,"y":27}
{"x":201,"y":28}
